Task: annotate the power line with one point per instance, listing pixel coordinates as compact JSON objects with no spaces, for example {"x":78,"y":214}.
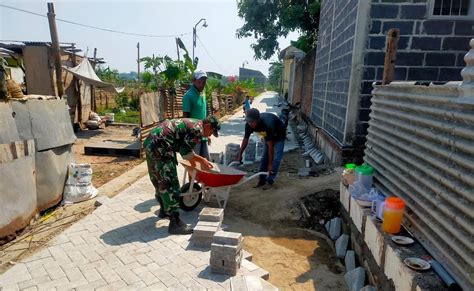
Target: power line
{"x":95,"y":27}
{"x":209,"y":55}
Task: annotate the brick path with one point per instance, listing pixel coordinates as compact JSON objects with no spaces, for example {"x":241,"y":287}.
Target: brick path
{"x":122,"y":244}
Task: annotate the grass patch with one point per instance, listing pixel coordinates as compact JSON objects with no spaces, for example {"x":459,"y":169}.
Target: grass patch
{"x":129,"y":116}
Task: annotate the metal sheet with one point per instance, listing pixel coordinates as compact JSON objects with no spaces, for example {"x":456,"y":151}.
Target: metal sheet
{"x":150,"y":108}
{"x":47,"y":121}
{"x":421,"y":144}
{"x":38,"y":70}
{"x":51,"y":174}
{"x":8,"y":128}
{"x":18,"y":194}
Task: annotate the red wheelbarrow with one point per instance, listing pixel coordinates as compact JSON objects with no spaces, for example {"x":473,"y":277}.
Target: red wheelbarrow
{"x":215,"y":182}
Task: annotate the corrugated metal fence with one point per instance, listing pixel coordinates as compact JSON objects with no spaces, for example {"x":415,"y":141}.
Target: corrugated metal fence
{"x":421,"y":143}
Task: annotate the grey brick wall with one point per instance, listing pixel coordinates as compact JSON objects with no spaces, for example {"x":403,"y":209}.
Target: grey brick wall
{"x":428,"y":50}
{"x":333,"y":65}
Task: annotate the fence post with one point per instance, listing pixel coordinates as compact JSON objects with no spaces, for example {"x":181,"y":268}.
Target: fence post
{"x":390,"y":55}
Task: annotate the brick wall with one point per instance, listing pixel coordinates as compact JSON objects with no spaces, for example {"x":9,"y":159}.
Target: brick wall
{"x":428,"y":49}
{"x":333,"y":65}
{"x":304,"y":77}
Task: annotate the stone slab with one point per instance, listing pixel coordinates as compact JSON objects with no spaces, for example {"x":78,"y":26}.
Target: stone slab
{"x":335,"y":228}
{"x":349,"y":261}
{"x":341,"y":246}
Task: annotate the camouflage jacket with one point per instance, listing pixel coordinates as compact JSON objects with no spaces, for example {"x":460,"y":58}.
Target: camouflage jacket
{"x":174,"y":135}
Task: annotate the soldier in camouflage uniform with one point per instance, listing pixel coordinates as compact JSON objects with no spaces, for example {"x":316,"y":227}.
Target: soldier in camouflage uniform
{"x":161,"y":146}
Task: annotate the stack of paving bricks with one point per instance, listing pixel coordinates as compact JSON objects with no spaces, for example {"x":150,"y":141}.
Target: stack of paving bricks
{"x":210,"y":221}
{"x":226,"y":253}
{"x":231,"y":152}
{"x":250,"y":151}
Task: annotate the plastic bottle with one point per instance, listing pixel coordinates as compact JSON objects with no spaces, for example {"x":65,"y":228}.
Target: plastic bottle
{"x":348,"y":175}
{"x":393,"y":214}
{"x":364,"y":175}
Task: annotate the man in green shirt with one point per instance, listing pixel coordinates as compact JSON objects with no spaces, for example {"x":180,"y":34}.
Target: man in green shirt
{"x":194,"y":106}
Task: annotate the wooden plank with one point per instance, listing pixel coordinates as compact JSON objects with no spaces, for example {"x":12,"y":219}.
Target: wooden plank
{"x":37,"y":70}
{"x":390,"y":55}
{"x":114,"y":148}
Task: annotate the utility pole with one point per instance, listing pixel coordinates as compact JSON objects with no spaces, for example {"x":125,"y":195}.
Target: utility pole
{"x":94,"y":101}
{"x":56,"y":51}
{"x":138,"y":61}
{"x":177,"y":48}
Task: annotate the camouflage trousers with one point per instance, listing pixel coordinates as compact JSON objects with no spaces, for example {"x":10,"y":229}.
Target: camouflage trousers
{"x":164,"y":176}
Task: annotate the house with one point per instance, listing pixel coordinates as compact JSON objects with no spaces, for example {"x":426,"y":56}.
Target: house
{"x":32,"y":65}
{"x":434,"y":37}
{"x":289,"y":56}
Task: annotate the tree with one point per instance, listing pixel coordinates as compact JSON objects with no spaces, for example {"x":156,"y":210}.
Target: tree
{"x":267,"y":20}
{"x":274,"y":75}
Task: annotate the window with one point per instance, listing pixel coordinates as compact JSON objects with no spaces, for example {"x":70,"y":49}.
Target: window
{"x":452,"y":8}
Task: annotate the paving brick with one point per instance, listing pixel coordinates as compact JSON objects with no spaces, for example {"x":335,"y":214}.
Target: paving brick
{"x":211,"y":214}
{"x":227,"y":238}
{"x":260,"y":273}
{"x":204,"y":231}
{"x":34,"y":282}
{"x":112,"y":287}
{"x":92,"y":275}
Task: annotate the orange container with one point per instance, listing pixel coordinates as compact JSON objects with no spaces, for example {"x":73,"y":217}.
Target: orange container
{"x":393,"y":214}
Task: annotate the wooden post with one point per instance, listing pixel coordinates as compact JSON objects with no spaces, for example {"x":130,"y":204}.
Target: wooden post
{"x":57,"y":53}
{"x":390,"y":55}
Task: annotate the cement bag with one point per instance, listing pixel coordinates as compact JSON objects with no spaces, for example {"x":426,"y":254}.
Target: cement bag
{"x":78,"y":185}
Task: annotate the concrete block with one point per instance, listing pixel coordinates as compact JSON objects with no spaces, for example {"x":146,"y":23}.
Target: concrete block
{"x":344,"y":197}
{"x":368,"y":288}
{"x":349,"y":261}
{"x":374,"y":239}
{"x":211,"y":214}
{"x":327,"y":226}
{"x":217,"y":158}
{"x":217,"y":224}
{"x":341,"y":246}
{"x":204,"y":231}
{"x":355,"y":279}
{"x":234,"y":261}
{"x":225,"y":256}
{"x":226,"y":249}
{"x":202,"y":242}
{"x":102,"y":200}
{"x":227,"y":238}
{"x":358,"y":214}
{"x":335,"y":228}
{"x":394,"y":268}
{"x":224,"y":271}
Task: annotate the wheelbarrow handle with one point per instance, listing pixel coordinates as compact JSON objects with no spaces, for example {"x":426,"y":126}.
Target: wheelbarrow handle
{"x":245,"y":180}
{"x":234,"y":163}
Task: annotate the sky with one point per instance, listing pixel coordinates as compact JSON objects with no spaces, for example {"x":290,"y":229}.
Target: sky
{"x":218,"y":49}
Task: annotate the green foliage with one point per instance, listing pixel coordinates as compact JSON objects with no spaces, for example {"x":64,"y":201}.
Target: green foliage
{"x":304,"y":43}
{"x":122,"y":99}
{"x":109,"y":75}
{"x":274,"y":75}
{"x":166,"y":72}
{"x":249,"y":86}
{"x":212,"y":85}
{"x":130,"y":116}
{"x":273,"y":19}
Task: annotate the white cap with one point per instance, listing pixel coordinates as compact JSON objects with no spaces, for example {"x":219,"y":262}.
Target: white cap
{"x":198,"y":74}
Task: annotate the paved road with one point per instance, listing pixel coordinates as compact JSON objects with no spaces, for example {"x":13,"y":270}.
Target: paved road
{"x":123,"y":244}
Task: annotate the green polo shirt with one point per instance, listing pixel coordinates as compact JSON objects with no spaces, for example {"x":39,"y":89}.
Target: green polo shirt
{"x":195,"y":104}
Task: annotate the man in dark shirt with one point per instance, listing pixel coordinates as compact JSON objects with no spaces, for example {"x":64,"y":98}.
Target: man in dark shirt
{"x":272,"y":129}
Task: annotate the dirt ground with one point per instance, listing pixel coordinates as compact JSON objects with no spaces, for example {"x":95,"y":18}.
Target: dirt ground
{"x":105,"y":168}
{"x":271,"y":222}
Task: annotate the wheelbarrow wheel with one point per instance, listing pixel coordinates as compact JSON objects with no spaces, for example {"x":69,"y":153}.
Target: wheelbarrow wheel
{"x":190,"y":202}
